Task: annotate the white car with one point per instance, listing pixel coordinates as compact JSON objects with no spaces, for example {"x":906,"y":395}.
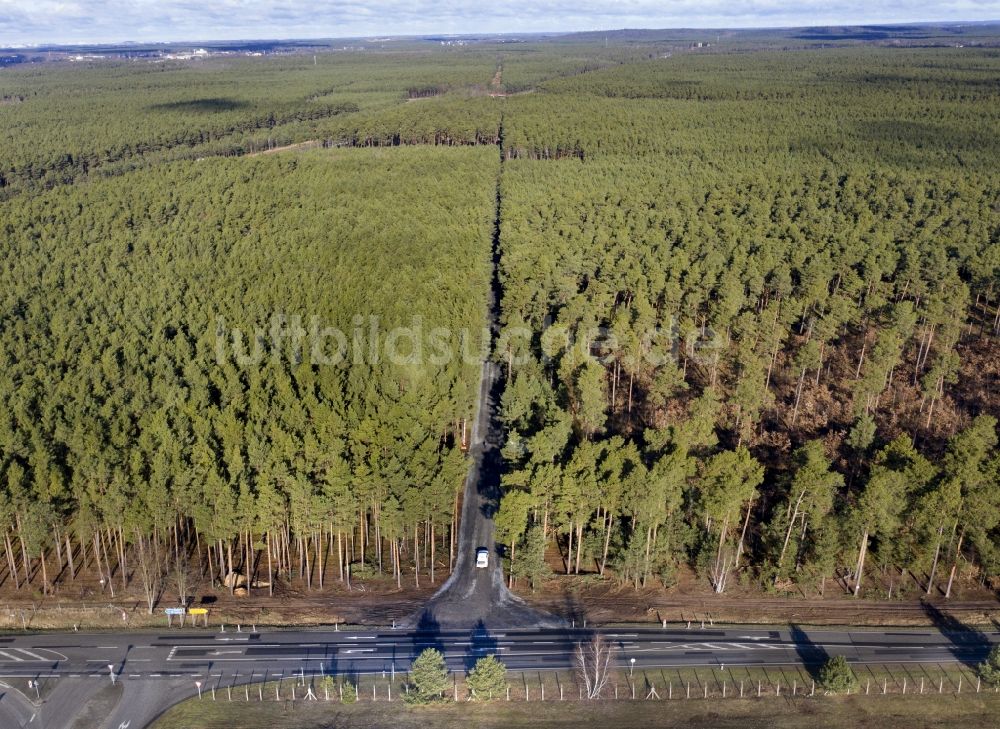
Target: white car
{"x":482,"y":557}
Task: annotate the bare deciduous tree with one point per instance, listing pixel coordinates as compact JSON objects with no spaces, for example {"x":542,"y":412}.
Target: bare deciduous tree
{"x":592,"y":661}
{"x":150,"y":570}
{"x":183,"y":576}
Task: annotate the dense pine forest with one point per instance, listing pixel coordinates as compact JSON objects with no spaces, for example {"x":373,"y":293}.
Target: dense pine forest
{"x":764,"y":301}
{"x":750,"y":317}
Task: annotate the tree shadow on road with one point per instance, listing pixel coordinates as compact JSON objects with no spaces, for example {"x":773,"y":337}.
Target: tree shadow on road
{"x":811,"y":655}
{"x":481,"y":644}
{"x":969,"y":645}
{"x":427,"y":633}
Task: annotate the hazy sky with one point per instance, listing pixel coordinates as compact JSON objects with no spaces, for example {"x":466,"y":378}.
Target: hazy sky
{"x":55,"y":21}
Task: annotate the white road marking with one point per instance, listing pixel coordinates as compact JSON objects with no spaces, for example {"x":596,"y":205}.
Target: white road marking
{"x":11,"y":657}
{"x":360,"y":650}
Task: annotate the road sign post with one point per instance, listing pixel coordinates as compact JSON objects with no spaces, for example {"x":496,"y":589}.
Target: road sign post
{"x":171,"y":612}
{"x":195,"y":613}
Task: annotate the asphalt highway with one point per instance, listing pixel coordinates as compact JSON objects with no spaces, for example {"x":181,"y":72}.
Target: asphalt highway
{"x":154,"y":670}
{"x":188,"y":653}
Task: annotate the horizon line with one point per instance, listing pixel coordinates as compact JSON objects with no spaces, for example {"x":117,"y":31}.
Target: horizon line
{"x":370,"y":37}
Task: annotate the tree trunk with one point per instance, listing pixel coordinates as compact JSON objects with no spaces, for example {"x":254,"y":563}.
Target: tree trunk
{"x":937,"y":553}
{"x":788,"y":532}
{"x":24,"y":549}
{"x":510,"y":575}
{"x":743,"y":535}
{"x":569,"y":553}
{"x":308,"y":564}
{"x":607,"y":542}
{"x":579,"y":544}
{"x":319,"y":556}
{"x":45,"y":574}
{"x":10,"y":560}
{"x":798,"y":395}
{"x":416,"y":554}
{"x":69,"y":558}
{"x":722,"y":541}
{"x":340,"y":554}
{"x":862,"y":553}
{"x":954,"y":566}
{"x":270,"y":572}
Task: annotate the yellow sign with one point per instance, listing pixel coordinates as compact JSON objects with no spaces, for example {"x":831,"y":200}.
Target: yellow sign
{"x":197,"y":611}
